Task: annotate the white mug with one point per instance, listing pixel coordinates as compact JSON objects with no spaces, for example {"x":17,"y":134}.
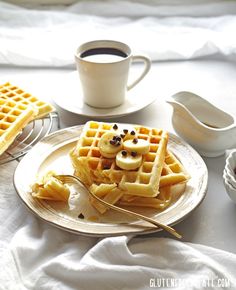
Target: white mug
{"x":103,"y":67}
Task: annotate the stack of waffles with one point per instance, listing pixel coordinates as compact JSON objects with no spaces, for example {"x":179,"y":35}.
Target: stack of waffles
{"x":17,"y":109}
{"x":111,"y":177}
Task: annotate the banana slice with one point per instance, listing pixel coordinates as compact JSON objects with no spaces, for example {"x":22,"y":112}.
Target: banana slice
{"x":110,"y":144}
{"x":108,"y":155}
{"x":131,"y":134}
{"x":128,"y":162}
{"x":140,"y":146}
{"x":125,"y":131}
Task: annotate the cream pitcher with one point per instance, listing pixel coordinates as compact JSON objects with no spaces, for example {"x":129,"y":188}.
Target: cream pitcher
{"x":208,"y":129}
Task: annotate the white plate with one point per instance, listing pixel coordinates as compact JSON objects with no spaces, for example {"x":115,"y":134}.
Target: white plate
{"x":52,"y":153}
{"x":68,"y":95}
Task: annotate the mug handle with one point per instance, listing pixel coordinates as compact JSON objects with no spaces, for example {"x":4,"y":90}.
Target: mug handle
{"x":147,"y":63}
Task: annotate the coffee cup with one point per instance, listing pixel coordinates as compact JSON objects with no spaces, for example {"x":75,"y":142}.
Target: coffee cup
{"x":103,"y":67}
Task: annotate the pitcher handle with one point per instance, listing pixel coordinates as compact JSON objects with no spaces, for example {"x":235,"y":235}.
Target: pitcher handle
{"x":147,"y":66}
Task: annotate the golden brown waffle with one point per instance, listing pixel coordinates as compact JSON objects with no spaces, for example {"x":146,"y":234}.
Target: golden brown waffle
{"x":13,"y":118}
{"x":113,"y":195}
{"x":91,"y":167}
{"x":167,"y":195}
{"x":173,"y":171}
{"x":174,"y":180}
{"x":50,"y":188}
{"x":18,"y":95}
{"x":107,"y":192}
{"x":159,"y":202}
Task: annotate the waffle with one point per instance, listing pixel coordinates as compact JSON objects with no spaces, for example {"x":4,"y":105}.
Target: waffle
{"x":13,"y":118}
{"x":167,"y":195}
{"x":18,"y":95}
{"x":91,"y":167}
{"x":50,"y":188}
{"x":173,"y":171}
{"x":172,"y":183}
{"x":113,"y":195}
{"x":159,"y":202}
{"x":108,"y":192}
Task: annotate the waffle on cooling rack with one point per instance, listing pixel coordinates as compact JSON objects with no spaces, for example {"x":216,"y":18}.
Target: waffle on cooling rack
{"x":17,"y":109}
{"x":21,"y":97}
{"x":128,"y":165}
{"x":13,"y":118}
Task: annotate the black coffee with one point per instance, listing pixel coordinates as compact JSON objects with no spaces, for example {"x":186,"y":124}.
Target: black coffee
{"x":103,"y":54}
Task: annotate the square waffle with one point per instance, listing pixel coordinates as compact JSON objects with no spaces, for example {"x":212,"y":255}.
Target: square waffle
{"x":13,"y":118}
{"x":91,"y":167}
{"x":18,"y":95}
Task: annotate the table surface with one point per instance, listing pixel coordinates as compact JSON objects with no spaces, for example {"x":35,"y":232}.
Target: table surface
{"x":213,"y":222}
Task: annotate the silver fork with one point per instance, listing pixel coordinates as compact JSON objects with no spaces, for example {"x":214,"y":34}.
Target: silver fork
{"x":70,"y":179}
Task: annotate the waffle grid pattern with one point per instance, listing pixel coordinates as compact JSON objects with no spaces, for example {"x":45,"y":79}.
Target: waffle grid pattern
{"x":91,"y":167}
{"x":13,"y":117}
{"x":18,"y":95}
{"x":173,"y":171}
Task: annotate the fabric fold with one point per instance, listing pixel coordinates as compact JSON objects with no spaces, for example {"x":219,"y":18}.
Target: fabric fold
{"x":48,"y":258}
{"x":48,"y":38}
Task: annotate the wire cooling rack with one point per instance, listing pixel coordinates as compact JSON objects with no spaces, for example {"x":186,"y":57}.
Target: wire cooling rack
{"x":29,"y":136}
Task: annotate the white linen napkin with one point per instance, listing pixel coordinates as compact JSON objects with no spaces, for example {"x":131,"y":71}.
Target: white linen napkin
{"x":47,"y":37}
{"x":42,"y":257}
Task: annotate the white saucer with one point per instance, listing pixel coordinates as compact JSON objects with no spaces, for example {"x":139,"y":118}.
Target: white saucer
{"x":69,"y":97}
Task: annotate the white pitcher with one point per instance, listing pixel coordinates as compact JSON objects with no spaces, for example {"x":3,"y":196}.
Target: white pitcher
{"x":208,"y":129}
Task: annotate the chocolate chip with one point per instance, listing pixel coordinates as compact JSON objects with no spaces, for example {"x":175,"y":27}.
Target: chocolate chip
{"x":124,"y":153}
{"x":118,"y":144}
{"x":135,"y":140}
{"x":112,"y":142}
{"x":125,"y":131}
{"x":81,"y":216}
{"x":106,"y":167}
{"x":122,"y":136}
{"x":132,"y":133}
{"x":115,"y":127}
{"x":118,"y":138}
{"x":133,"y":153}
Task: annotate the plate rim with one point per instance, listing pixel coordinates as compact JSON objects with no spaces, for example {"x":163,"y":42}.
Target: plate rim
{"x":147,"y":229}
